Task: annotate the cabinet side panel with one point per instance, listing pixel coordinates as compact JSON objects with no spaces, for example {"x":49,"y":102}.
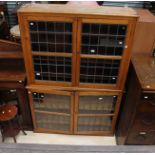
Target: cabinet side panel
{"x":128,"y":107}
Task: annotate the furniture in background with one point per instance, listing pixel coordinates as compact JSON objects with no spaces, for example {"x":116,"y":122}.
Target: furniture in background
{"x":9,"y":122}
{"x":76,"y":65}
{"x":144,"y":38}
{"x":4,"y":29}
{"x":137,"y":116}
{"x":15,"y":33}
{"x":150,"y":5}
{"x":13,"y":79}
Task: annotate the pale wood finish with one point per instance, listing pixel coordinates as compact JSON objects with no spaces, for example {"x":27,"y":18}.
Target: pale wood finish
{"x":52,"y":54}
{"x":72,"y":89}
{"x":101,"y":56}
{"x":64,"y":93}
{"x":51,"y":113}
{"x":126,"y":56}
{"x":75,"y":89}
{"x":74,"y":10}
{"x":115,"y":114}
{"x":27,"y":48}
{"x":125,"y":59}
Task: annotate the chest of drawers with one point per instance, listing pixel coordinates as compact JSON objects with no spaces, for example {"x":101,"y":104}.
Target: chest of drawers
{"x":136,"y":123}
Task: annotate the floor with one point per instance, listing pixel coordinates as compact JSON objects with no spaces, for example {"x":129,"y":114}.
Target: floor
{"x":60,"y":139}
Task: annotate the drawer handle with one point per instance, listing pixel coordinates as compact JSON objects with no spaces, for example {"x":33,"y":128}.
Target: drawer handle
{"x":147,"y":122}
{"x":140,"y":137}
{"x":13,"y":90}
{"x":142,"y":133}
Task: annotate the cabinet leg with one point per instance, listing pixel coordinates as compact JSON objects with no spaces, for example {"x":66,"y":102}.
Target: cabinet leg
{"x":24,"y":132}
{"x":14,"y":138}
{"x":3,"y":138}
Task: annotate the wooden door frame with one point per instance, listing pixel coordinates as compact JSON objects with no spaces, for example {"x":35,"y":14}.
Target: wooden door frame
{"x":114,"y":115}
{"x":27,"y":52}
{"x":125,"y":58}
{"x":63,"y":93}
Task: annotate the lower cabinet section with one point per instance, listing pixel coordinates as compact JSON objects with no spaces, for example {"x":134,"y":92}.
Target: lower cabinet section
{"x":88,"y":113}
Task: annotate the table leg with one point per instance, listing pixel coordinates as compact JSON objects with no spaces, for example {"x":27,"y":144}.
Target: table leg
{"x":24,"y":107}
{"x":14,"y":138}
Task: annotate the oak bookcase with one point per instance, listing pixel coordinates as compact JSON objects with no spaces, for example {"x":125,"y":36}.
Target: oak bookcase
{"x":76,"y":61}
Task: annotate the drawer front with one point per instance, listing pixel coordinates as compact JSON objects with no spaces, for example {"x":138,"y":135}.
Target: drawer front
{"x":144,"y":121}
{"x":147,"y":103}
{"x":9,"y":96}
{"x":143,"y":129}
{"x":141,"y":138}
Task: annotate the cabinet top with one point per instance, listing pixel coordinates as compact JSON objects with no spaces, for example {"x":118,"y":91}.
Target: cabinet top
{"x":144,"y":66}
{"x":75,"y":10}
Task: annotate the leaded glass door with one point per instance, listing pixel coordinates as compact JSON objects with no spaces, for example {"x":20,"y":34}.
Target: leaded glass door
{"x":52,"y":111}
{"x":102,"y":46}
{"x":95,"y":112}
{"x":53,"y":50}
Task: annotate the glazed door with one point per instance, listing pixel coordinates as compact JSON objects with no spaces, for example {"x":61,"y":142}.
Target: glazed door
{"x":95,"y":112}
{"x":52,"y":111}
{"x":102,"y":44}
{"x":50,"y":49}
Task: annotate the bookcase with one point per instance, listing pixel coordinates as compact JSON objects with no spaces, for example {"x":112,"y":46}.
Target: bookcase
{"x":76,"y":61}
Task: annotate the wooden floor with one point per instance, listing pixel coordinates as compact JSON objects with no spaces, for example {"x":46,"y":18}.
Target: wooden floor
{"x":38,"y":148}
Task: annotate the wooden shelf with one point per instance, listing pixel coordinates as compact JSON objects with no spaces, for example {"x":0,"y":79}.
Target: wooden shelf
{"x":11,"y":55}
{"x":10,"y":75}
{"x":10,"y":50}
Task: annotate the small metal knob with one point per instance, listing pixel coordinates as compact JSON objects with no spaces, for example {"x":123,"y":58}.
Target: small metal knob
{"x":31,"y":24}
{"x":100,"y":98}
{"x":38,"y":74}
{"x":92,"y":51}
{"x":146,"y":97}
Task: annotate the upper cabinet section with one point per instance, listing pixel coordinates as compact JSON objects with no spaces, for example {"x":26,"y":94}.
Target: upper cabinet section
{"x":71,"y":46}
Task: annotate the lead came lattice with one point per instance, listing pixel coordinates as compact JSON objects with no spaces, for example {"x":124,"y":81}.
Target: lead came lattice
{"x":50,"y":36}
{"x":103,"y":39}
{"x":52,"y":68}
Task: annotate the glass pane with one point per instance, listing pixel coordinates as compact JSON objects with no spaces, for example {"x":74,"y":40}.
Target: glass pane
{"x":52,"y":68}
{"x":101,"y":71}
{"x":103,"y":39}
{"x":52,"y":122}
{"x":50,"y":36}
{"x":97,"y":104}
{"x":51,"y":102}
{"x":95,"y":123}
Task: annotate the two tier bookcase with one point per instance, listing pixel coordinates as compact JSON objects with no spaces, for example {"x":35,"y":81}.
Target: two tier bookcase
{"x":76,"y":60}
